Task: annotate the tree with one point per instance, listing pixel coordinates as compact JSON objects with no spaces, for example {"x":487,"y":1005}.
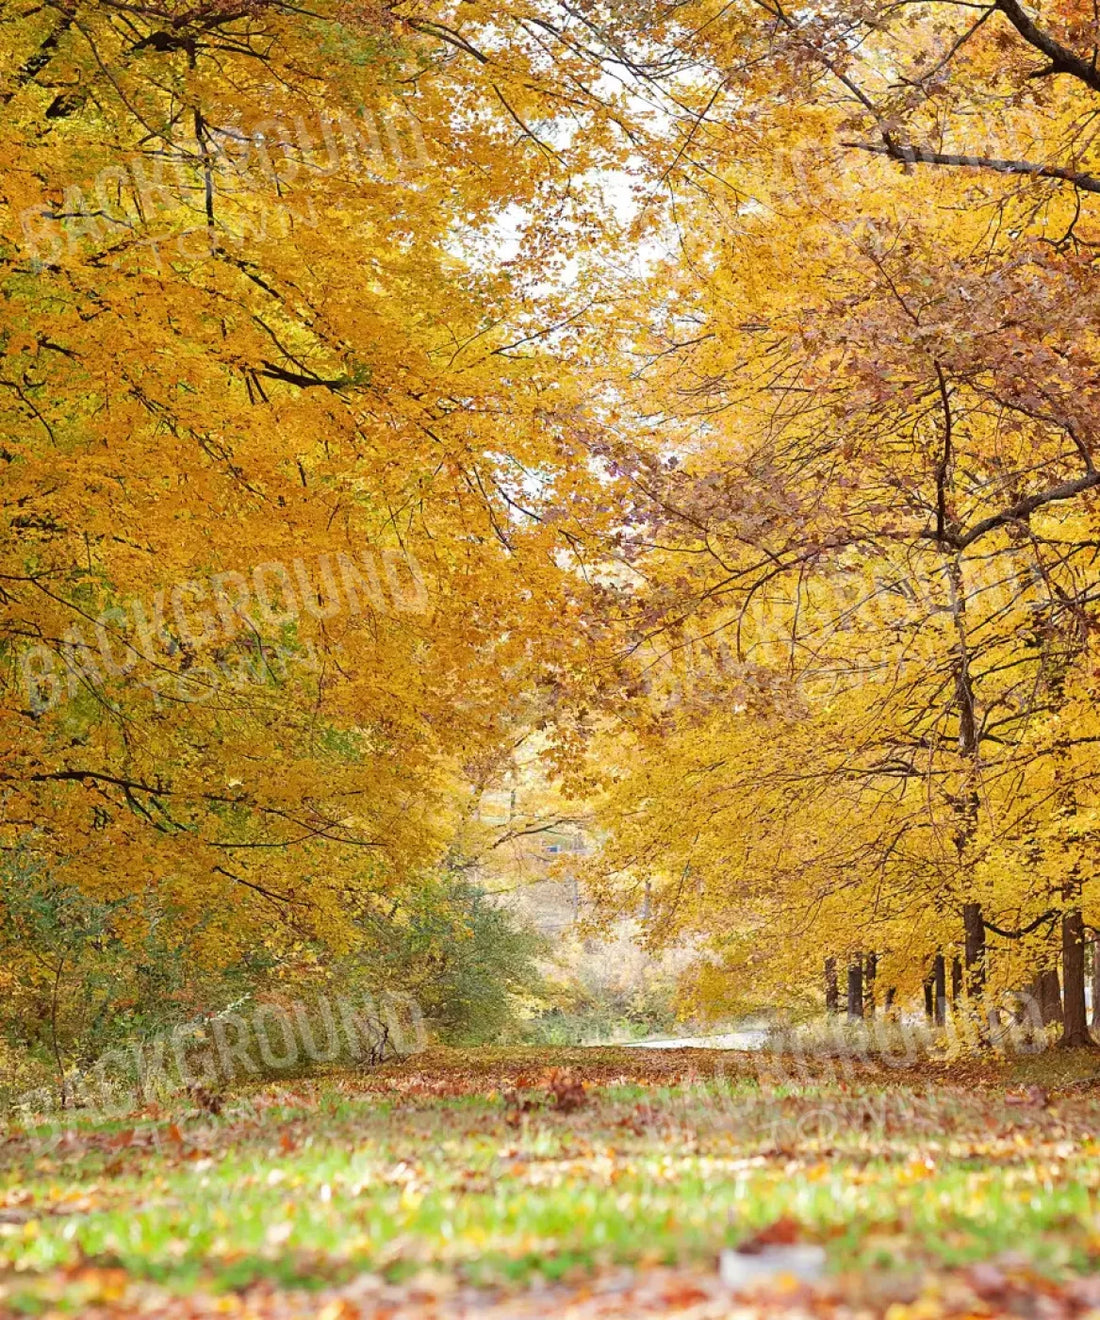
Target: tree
{"x":294,"y":479}
{"x":863,"y":507}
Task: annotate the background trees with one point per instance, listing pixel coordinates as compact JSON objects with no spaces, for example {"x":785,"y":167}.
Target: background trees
{"x":868,"y":388}
{"x":710,"y":390}
{"x":281,"y":446}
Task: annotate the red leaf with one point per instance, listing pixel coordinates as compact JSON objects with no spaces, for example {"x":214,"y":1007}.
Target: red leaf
{"x":785,"y":1232}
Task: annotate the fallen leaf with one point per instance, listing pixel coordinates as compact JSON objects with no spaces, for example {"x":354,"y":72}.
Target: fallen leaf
{"x":784,"y":1232}
{"x":1032,"y":1097}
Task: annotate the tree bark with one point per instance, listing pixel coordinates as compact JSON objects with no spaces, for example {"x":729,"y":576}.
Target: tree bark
{"x":1049,"y":994}
{"x":1075,"y":1030}
{"x":956,"y":983}
{"x":870,"y":972}
{"x":1095,"y":982}
{"x":939,"y":989}
{"x":928,"y":1008}
{"x":855,"y":990}
{"x":974,"y":930}
{"x":832,"y":990}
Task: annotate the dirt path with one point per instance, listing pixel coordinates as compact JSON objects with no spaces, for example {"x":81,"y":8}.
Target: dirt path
{"x":749,"y":1038}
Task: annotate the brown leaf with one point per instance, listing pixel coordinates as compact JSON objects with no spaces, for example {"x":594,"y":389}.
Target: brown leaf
{"x":567,"y":1092}
{"x":988,"y":1281}
{"x":1032,"y":1097}
{"x":784,"y":1232}
{"x":208,"y":1101}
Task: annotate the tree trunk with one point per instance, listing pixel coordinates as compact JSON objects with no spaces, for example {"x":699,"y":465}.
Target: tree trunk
{"x":974,"y":930}
{"x":1049,"y":994}
{"x":832,"y":990}
{"x":956,"y":983}
{"x":870,"y":972}
{"x":855,"y":990}
{"x":1075,"y":1030}
{"x":939,"y":989}
{"x":928,"y":1010}
{"x":1095,"y":981}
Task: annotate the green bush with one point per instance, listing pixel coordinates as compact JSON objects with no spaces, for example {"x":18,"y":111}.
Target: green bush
{"x":464,"y":959}
{"x":82,"y":978}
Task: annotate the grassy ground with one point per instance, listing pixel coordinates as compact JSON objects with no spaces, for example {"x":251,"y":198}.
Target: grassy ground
{"x":487,"y":1175}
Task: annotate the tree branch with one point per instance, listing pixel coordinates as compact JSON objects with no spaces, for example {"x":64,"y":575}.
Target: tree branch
{"x":1049,"y":915}
{"x":251,"y":884}
{"x":297,"y":378}
{"x":1065,"y":490}
{"x":1062,"y":59}
{"x":945,"y":459}
{"x":910,"y":155}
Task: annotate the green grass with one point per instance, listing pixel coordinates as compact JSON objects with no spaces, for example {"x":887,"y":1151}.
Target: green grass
{"x":433,"y":1164}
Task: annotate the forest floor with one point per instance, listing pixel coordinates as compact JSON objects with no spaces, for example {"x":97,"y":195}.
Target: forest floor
{"x":575,"y":1183}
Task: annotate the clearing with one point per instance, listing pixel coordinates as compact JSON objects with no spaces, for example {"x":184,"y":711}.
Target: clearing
{"x":573,"y":1183}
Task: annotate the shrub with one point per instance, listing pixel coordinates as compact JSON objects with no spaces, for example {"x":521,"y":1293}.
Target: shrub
{"x":467,"y":961}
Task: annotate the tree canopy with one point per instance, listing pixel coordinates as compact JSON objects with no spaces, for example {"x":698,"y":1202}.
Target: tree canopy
{"x":705,"y":392}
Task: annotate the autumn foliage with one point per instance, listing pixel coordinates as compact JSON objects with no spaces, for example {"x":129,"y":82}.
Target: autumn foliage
{"x":704,"y":396}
